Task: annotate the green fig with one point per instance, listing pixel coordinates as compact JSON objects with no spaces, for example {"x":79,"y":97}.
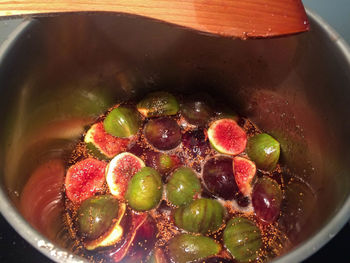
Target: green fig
{"x":122,"y":122}
{"x":183,"y":186}
{"x":264,"y":151}
{"x":158,"y":104}
{"x":242,"y":239}
{"x":144,"y":190}
{"x":96,"y":214}
{"x":200,"y":216}
{"x":187,"y":248}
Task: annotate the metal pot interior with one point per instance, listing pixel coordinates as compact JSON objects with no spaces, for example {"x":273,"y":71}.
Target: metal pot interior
{"x":62,"y":72}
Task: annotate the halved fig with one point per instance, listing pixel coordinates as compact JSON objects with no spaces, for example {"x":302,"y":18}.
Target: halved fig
{"x":122,"y":122}
{"x":103,"y":145}
{"x":119,"y":171}
{"x":113,"y":235}
{"x":119,"y":252}
{"x":244,"y":171}
{"x":158,"y":104}
{"x":227,"y":137}
{"x":84,"y":179}
{"x":143,"y":243}
{"x":96,"y":214}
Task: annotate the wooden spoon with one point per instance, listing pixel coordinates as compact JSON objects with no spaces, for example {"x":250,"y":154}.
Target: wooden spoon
{"x":232,"y":18}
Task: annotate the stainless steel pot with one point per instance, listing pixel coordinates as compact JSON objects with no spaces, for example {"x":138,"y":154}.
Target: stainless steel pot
{"x":72,"y":67}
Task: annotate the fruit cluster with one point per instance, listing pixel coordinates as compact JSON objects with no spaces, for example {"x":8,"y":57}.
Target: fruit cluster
{"x":163,"y":181}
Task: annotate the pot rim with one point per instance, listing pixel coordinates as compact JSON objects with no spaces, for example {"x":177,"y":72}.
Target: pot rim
{"x":297,"y":254}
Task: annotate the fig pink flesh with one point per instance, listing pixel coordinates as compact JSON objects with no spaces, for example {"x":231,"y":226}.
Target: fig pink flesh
{"x":107,"y":143}
{"x":231,"y":137}
{"x":127,"y":167}
{"x":244,"y":171}
{"x":84,"y":179}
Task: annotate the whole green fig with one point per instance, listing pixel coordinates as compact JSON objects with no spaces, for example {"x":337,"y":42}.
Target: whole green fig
{"x":200,"y":216}
{"x":183,"y":186}
{"x":187,"y":248}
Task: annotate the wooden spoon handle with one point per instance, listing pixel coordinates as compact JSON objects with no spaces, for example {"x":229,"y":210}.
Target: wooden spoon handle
{"x":237,"y":18}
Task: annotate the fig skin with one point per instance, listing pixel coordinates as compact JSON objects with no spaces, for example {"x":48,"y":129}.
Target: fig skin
{"x":219,"y":178}
{"x":200,"y":216}
{"x":242,"y":238}
{"x":197,"y":112}
{"x":162,"y":162}
{"x":122,"y":122}
{"x":266,"y":199}
{"x":264,"y":150}
{"x":163,"y":133}
{"x":158,"y":104}
{"x":144,"y":190}
{"x":96,"y":214}
{"x":185,"y":248}
{"x":183,"y":186}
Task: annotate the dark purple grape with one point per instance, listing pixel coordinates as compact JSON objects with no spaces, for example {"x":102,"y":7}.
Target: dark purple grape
{"x":163,"y":133}
{"x":218,"y":177}
{"x":266,"y":199}
{"x":196,"y":143}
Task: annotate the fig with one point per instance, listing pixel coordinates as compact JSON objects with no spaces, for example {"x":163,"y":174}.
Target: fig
{"x":122,"y":122}
{"x":227,"y":137}
{"x":143,"y":242}
{"x":163,"y":133}
{"x":84,"y":179}
{"x":119,"y":252}
{"x":186,"y":248}
{"x":103,"y":145}
{"x":196,"y":112}
{"x":264,"y":151}
{"x":266,"y":199}
{"x":113,"y":234}
{"x":242,"y":238}
{"x":183,"y":186}
{"x":244,"y":172}
{"x":119,"y":172}
{"x":200,"y":216}
{"x":95,"y":215}
{"x":162,"y":162}
{"x":218,"y":177}
{"x":158,"y":256}
{"x":216,"y":260}
{"x":196,"y":143}
{"x":158,"y":104}
{"x":144,"y":190}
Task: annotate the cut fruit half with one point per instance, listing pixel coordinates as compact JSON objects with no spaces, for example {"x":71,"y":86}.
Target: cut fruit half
{"x":112,"y":236}
{"x":119,"y":172}
{"x":103,"y":145}
{"x":84,"y":179}
{"x":227,"y":137}
{"x":244,"y":172}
